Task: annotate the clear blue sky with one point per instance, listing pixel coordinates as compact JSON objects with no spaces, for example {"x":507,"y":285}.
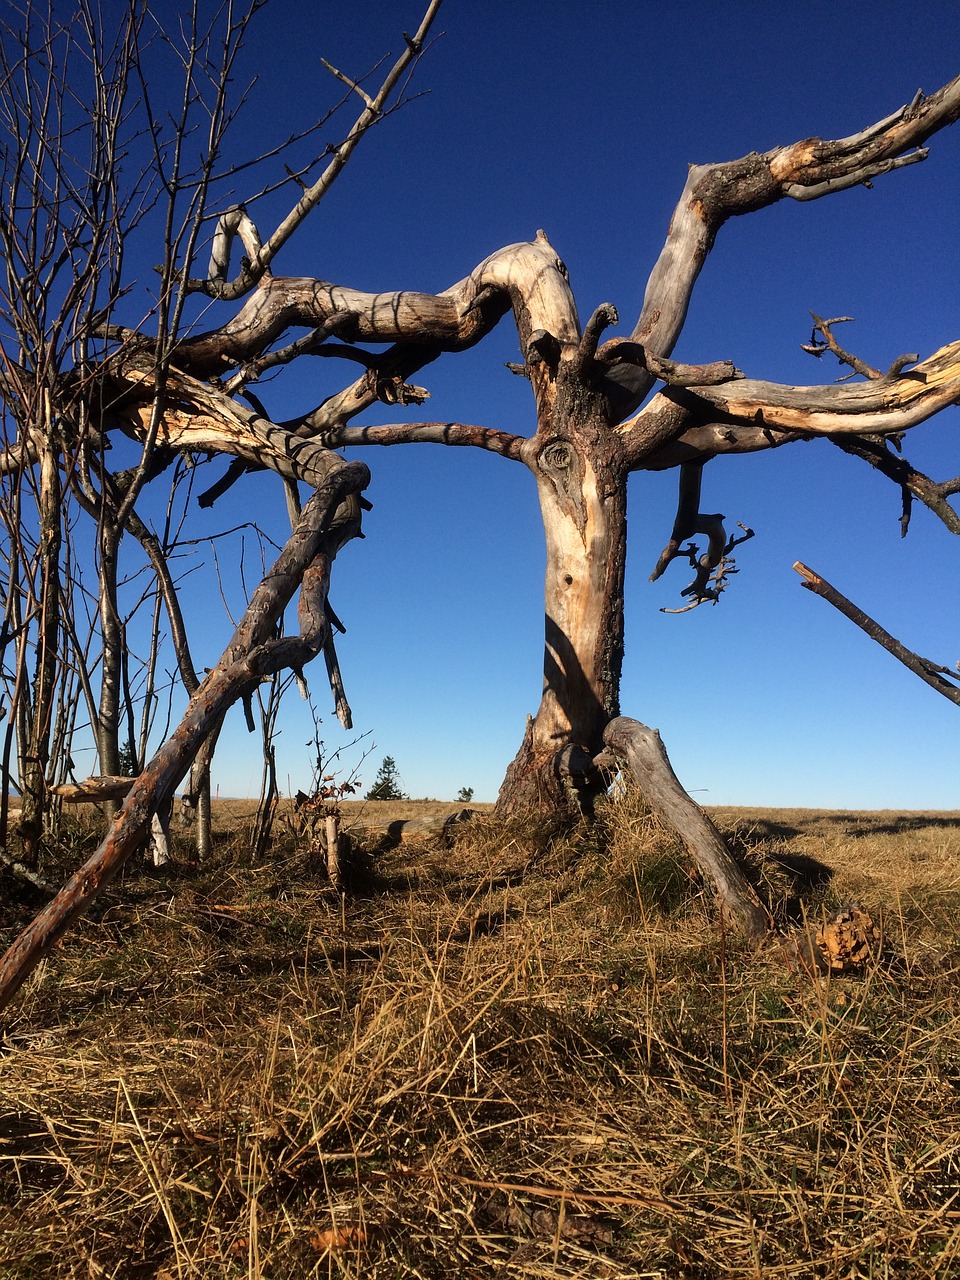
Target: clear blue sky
{"x":580,"y":117}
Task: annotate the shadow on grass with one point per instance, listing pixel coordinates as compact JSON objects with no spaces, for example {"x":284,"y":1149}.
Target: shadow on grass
{"x":857,"y":826}
{"x":787,"y":881}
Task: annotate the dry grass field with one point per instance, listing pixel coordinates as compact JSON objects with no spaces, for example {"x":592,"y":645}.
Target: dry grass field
{"x":522,"y":1054}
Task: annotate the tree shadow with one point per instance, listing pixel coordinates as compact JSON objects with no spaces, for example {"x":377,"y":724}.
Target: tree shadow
{"x":858,"y":826}
{"x":788,"y":883}
{"x":808,"y":874}
{"x":762,"y":829}
{"x":565,"y":678}
{"x":784,"y":879}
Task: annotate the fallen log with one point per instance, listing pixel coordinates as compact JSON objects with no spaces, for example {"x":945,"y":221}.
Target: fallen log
{"x":403,"y":829}
{"x":646,"y":758}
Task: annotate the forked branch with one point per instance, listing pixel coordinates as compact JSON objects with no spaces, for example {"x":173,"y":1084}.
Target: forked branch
{"x":235,"y":222}
{"x":805,"y":170}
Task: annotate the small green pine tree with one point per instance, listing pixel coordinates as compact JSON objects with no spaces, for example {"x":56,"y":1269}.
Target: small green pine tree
{"x":128,"y":760}
{"x":386,"y":785}
{"x":465,"y":794}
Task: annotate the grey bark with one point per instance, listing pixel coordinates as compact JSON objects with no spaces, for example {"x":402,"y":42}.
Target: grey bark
{"x":646,"y":758}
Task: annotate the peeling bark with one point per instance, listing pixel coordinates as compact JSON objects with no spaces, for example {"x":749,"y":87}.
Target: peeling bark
{"x":583,"y":649}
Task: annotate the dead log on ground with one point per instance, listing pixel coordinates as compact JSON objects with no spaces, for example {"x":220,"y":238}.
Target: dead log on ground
{"x":647,"y":761}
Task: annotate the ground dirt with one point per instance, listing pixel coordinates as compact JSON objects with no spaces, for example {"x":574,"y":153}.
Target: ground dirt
{"x":509,"y":1051}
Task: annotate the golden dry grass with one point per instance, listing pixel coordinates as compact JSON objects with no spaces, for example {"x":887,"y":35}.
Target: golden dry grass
{"x":232,"y":814}
{"x":524,"y":1055}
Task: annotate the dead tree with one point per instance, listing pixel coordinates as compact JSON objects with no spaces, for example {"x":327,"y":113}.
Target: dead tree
{"x":606,"y":403}
{"x":590,"y":434}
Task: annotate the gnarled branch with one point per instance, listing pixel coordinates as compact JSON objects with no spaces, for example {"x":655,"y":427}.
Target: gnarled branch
{"x":714,"y":566}
{"x":528,"y":277}
{"x":452,"y":433}
{"x":805,"y":170}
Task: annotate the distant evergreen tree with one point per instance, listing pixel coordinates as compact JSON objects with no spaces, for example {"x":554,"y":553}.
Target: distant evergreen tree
{"x":386,"y":785}
{"x":465,"y":794}
{"x":128,"y":760}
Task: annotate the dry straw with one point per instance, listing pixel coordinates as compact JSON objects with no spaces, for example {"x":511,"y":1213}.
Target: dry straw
{"x":528,"y":1054}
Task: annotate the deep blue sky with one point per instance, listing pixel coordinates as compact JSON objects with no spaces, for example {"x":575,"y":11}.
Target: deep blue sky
{"x":581,"y":118}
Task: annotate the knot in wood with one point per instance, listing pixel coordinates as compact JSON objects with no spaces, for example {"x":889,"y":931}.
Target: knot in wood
{"x":543,"y":348}
{"x":557,"y":456}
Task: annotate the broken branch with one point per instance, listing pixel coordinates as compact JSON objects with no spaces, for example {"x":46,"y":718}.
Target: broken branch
{"x":943,"y":679}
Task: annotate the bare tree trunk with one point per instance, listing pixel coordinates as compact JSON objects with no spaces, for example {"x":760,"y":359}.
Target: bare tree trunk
{"x":160,"y":835}
{"x":111,"y":631}
{"x":10,"y":628}
{"x":267,"y":808}
{"x":33,"y":778}
{"x":581,"y":484}
{"x":332,"y":836}
{"x":195,"y":804}
{"x":204,"y":828}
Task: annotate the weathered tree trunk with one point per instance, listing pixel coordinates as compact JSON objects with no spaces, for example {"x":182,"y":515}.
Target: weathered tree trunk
{"x":195,"y":803}
{"x":647,"y":760}
{"x":111,"y":631}
{"x":583,"y":626}
{"x":581,"y":482}
{"x":160,"y":835}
